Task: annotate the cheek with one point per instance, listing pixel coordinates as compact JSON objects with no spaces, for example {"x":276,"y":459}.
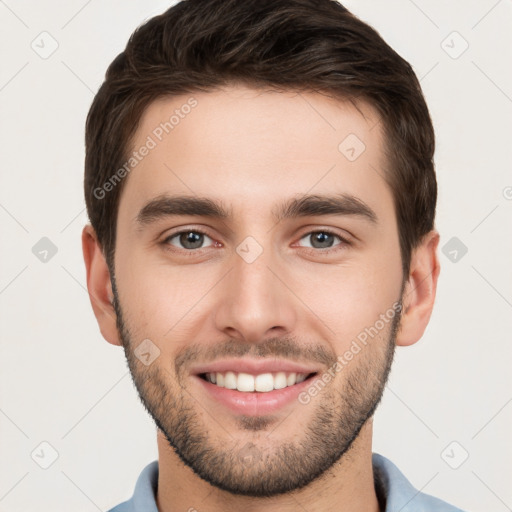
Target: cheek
{"x":350,"y":297}
{"x":162,"y":302}
{"x":171,"y":304}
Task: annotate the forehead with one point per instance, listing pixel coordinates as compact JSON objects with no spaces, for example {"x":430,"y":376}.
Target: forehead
{"x":252,"y":148}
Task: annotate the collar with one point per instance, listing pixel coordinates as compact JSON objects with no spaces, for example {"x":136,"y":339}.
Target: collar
{"x":394,"y":492}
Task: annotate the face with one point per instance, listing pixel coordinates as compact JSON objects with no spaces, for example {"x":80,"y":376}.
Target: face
{"x":259,"y":324}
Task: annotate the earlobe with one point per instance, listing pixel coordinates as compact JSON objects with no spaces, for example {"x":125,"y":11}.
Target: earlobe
{"x":420,"y":290}
{"x":99,"y":285}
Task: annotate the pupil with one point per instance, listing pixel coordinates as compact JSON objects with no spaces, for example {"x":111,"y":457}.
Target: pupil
{"x":191,"y":240}
{"x":321,"y":237}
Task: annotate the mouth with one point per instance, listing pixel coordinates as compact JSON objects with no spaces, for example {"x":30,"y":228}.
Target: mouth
{"x":260,"y":383}
{"x":253,"y":387}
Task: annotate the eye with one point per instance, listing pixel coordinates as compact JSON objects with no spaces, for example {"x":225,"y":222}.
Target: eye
{"x":323,"y":240}
{"x":189,"y":239}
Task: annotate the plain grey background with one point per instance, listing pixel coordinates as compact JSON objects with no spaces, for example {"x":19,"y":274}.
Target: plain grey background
{"x":73,"y":434}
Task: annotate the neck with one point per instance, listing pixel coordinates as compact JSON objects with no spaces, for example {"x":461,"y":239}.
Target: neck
{"x":347,"y":486}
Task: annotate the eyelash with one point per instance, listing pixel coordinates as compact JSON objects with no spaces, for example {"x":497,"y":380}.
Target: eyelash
{"x":193,"y":252}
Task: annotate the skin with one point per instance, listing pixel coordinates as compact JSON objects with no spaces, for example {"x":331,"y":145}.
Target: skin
{"x":252,"y":150}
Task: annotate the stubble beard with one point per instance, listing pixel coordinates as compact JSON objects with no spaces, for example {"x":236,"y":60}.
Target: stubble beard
{"x":257,"y":463}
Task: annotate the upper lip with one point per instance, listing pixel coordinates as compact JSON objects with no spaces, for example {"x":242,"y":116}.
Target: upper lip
{"x":254,"y":366}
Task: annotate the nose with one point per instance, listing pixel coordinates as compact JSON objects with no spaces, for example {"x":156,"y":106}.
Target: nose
{"x":254,"y":301}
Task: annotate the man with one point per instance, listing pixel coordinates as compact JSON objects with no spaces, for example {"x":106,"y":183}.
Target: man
{"x":260,"y":183}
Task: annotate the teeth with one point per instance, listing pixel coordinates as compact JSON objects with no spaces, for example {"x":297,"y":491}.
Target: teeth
{"x":263,"y":382}
{"x":245,"y":382}
{"x":230,"y":380}
{"x":280,"y":380}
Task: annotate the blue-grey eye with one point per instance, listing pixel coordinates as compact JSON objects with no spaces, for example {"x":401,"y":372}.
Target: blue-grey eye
{"x":321,"y":239}
{"x":189,"y":240}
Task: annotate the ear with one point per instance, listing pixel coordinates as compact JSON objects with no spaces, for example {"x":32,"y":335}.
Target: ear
{"x":99,"y":285}
{"x":420,"y":290}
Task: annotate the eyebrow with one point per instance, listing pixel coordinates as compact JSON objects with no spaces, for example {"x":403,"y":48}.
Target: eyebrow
{"x":305,"y":206}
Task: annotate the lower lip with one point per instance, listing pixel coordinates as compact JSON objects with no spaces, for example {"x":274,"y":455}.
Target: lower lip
{"x":255,"y":403}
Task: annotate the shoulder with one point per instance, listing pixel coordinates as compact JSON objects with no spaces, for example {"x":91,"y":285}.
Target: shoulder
{"x":398,"y":493}
{"x":144,"y":495}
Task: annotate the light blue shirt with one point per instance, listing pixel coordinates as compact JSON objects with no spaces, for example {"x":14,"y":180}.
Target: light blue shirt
{"x":391,"y":486}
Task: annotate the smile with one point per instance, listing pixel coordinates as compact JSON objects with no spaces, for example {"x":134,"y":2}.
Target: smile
{"x":263,"y":383}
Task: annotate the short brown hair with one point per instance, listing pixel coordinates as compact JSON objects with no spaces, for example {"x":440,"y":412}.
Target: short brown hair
{"x":299,"y":45}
